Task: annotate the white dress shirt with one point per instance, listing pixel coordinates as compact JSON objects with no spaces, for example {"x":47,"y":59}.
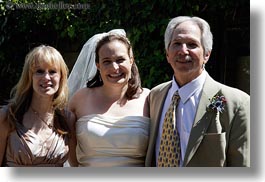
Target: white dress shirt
{"x":189,"y":99}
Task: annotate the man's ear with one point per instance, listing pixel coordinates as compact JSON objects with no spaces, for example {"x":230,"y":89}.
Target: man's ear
{"x":167,"y":55}
{"x":207,"y":56}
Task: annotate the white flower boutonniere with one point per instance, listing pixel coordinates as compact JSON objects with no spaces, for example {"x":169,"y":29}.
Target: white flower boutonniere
{"x":217,"y":103}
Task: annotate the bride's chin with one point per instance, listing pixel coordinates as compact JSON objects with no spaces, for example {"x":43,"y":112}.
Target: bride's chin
{"x":118,"y":81}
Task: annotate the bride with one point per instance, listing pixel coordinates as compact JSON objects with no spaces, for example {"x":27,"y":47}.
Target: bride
{"x":112,"y":124}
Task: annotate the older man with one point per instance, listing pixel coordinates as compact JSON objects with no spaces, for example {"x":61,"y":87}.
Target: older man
{"x":208,"y":123}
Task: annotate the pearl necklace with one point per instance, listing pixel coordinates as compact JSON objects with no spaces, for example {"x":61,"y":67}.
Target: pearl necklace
{"x":38,"y":115}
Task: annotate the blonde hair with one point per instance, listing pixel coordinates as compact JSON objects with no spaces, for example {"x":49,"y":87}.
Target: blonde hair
{"x":21,"y":94}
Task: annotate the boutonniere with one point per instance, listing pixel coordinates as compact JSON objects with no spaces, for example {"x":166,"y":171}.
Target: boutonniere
{"x":217,"y":103}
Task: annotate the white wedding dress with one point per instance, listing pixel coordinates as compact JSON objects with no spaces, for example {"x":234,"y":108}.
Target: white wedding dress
{"x":106,"y":141}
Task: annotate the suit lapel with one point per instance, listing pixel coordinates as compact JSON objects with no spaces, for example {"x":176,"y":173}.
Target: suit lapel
{"x":158,"y":105}
{"x":202,"y":119}
{"x":156,"y":108}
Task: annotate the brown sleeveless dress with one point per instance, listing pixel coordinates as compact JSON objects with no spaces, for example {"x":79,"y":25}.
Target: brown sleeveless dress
{"x":26,"y":149}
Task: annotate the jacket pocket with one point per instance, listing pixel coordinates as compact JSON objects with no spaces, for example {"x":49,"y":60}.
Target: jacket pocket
{"x":211,"y":152}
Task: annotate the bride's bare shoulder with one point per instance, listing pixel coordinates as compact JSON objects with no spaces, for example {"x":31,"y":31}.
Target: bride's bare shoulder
{"x":81,"y":93}
{"x":146,"y":91}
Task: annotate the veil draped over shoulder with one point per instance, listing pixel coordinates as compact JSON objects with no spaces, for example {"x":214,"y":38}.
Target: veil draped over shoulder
{"x":85,"y":66}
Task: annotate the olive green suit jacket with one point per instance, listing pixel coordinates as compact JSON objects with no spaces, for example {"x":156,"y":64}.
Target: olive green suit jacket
{"x":217,"y":139}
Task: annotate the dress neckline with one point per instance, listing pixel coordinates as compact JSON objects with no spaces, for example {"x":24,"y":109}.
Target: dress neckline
{"x":113,"y":117}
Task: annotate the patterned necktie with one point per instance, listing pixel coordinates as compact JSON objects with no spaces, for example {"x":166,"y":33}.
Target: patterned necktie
{"x":169,"y":153}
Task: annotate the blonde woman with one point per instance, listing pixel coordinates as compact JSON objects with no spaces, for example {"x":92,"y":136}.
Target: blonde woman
{"x":34,"y":126}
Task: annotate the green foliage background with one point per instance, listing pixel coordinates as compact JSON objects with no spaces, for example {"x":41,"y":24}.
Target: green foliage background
{"x":23,"y":28}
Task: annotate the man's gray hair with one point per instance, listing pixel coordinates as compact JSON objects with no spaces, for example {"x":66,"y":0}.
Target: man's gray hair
{"x":206,"y":34}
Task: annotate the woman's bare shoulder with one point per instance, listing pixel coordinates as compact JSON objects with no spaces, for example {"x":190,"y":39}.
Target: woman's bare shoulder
{"x":81,"y":97}
{"x":146,"y":91}
{"x":83,"y":93}
{"x":80,"y":94}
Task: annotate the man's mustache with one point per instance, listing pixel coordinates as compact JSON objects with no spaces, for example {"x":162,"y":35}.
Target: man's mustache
{"x":186,"y":58}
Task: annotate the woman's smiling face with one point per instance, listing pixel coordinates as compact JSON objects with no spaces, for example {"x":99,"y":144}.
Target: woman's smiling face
{"x":46,"y":79}
{"x":114,"y":63}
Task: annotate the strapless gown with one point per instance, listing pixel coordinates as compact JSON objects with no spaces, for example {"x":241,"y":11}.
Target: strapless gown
{"x":25,"y":148}
{"x":105,"y":141}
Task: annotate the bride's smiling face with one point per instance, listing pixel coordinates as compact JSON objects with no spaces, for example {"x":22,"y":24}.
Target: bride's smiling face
{"x":114,"y":63}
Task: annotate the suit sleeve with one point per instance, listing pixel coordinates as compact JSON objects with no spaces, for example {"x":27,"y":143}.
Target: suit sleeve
{"x":238,"y":152}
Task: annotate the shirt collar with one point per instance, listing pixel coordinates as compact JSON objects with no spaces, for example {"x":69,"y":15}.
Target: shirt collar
{"x":188,"y":90}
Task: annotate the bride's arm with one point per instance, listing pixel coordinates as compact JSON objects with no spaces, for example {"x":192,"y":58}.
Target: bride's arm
{"x":72,"y":139}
